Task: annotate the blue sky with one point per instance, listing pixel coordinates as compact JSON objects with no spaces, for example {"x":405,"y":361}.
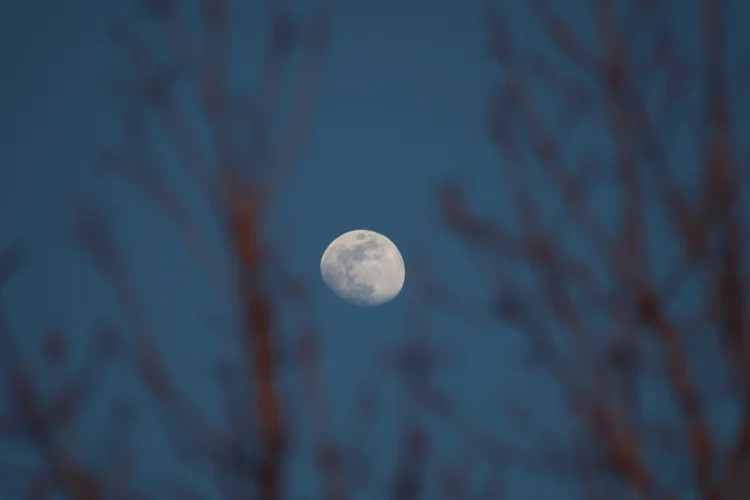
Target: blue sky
{"x":401,"y":109}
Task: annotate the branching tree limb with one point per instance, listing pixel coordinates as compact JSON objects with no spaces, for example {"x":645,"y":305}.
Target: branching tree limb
{"x":618,"y":276}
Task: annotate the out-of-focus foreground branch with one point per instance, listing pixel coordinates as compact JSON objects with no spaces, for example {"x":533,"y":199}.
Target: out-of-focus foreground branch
{"x":168,"y":68}
{"x":237,"y":166}
{"x":626,"y":270}
{"x":42,"y":408}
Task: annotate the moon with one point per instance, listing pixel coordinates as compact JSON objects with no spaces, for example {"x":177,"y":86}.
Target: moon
{"x":364,"y":268}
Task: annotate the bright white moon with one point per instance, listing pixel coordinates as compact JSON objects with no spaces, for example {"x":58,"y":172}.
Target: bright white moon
{"x":363,"y":267}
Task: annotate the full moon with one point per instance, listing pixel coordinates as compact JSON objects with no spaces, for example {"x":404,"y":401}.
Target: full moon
{"x":363,"y":267}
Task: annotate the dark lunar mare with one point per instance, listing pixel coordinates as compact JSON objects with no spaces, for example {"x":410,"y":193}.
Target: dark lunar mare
{"x":358,"y":293}
{"x":356,"y":254}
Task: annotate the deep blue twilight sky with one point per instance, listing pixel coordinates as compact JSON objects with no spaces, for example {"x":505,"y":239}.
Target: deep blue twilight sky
{"x":401,"y":109}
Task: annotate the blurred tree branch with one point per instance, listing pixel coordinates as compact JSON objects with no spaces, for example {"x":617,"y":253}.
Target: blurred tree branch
{"x":239,"y":184}
{"x":48,"y":422}
{"x":612,"y":297}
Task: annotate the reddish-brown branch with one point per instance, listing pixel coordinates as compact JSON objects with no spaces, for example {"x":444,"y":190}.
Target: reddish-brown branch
{"x":40,"y":422}
{"x":639,"y":311}
{"x":239,"y":187}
